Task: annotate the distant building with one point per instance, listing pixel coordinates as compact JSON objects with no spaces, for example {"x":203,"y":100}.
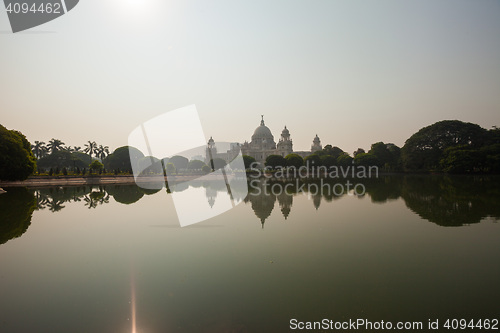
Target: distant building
{"x":228,"y":156}
{"x":262,"y":145}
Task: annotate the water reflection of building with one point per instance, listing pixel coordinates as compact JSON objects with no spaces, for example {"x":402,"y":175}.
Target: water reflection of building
{"x":285,"y":201}
{"x":211,"y":194}
{"x":316,"y":199}
{"x":262,"y":202}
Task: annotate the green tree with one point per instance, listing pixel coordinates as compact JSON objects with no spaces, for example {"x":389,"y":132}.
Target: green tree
{"x":275,"y":161}
{"x":90,"y":148}
{"x":366,"y":159}
{"x":382,"y":154}
{"x":312,"y":160}
{"x":491,"y":158}
{"x":424,"y":150}
{"x":102,"y":152}
{"x":332,"y":151}
{"x":170,"y":168}
{"x":121,"y":158}
{"x":195,"y":165}
{"x":206,"y":169}
{"x":38,"y":148}
{"x":344,"y":160}
{"x":150,"y":165}
{"x":461,"y":159}
{"x":63,"y":159}
{"x":358,"y":151}
{"x":294,"y":160}
{"x":54,"y":145}
{"x":95,"y":166}
{"x":248,"y":161}
{"x":180,"y":162}
{"x":328,"y":161}
{"x":17,"y":161}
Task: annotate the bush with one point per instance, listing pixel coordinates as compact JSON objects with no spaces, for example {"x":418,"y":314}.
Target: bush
{"x":96,"y":166}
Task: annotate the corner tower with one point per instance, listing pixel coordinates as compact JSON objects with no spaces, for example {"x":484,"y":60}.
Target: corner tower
{"x":285,"y":145}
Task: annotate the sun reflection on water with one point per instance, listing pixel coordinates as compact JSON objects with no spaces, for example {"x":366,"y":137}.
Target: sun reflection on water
{"x":132,"y":303}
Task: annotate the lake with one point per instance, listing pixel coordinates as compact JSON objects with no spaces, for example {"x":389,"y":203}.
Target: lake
{"x":114,"y":258}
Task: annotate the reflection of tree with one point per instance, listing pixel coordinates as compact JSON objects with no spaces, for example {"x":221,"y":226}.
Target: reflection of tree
{"x":148,"y":191}
{"x":446,"y":201}
{"x":383,"y":188}
{"x":179,"y":187}
{"x":452,"y":201}
{"x":16,"y":209}
{"x":41,"y":200}
{"x":55,"y":205}
{"x":125,"y":194}
{"x":96,"y":198}
{"x":55,"y":197}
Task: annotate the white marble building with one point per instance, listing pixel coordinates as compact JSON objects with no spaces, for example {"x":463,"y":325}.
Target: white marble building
{"x":262,"y":144}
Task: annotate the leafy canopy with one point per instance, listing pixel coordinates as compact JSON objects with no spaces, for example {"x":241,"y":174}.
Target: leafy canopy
{"x":17,"y":161}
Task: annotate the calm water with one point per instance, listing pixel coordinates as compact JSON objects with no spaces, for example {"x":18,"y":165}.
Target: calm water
{"x":114,"y":259}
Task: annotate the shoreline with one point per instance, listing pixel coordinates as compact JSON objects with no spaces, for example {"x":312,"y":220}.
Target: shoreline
{"x":45,"y":181}
{"x":95,"y":180}
{"x":68,"y":181}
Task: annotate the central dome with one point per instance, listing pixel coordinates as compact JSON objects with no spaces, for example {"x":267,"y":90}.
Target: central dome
{"x":262,"y":137}
{"x":262,"y":132}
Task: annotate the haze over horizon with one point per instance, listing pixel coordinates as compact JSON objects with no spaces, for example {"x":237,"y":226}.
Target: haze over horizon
{"x":352,"y":72}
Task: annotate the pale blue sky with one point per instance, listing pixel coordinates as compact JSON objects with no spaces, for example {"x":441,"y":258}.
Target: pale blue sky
{"x":353,"y":72}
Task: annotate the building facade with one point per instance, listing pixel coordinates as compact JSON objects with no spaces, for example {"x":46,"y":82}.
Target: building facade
{"x":262,"y":144}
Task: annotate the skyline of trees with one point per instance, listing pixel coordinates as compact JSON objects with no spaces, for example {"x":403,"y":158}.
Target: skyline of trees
{"x":449,"y":146}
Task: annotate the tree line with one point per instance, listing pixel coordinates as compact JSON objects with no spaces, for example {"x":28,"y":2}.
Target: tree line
{"x":449,"y":146}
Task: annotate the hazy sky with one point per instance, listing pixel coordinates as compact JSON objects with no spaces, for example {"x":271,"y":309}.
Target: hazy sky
{"x":353,"y":72}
